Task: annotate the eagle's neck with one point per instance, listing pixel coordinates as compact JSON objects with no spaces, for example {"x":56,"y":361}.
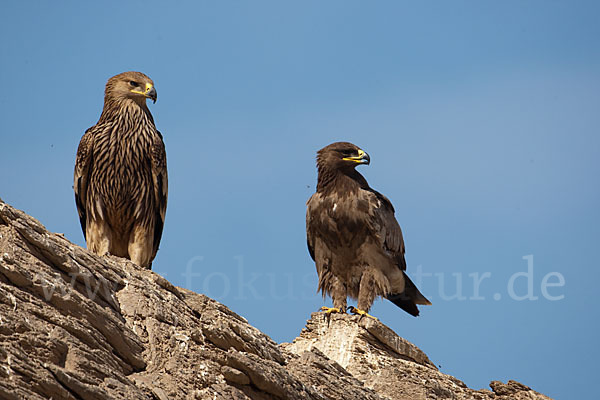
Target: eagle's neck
{"x":341,"y":181}
{"x":116,"y":110}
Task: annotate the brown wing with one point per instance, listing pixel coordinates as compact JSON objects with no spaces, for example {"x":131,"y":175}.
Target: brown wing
{"x":388,"y":230}
{"x":317,"y":248}
{"x":386,"y":227}
{"x":310,"y":234}
{"x":161,"y":187}
{"x":83,"y":161}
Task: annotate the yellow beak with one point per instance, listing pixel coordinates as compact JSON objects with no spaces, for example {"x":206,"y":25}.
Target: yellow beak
{"x":150,"y":92}
{"x":362,"y":158}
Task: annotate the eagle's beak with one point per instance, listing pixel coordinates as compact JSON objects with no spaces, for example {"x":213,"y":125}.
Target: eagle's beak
{"x":362,"y":158}
{"x":150,"y":92}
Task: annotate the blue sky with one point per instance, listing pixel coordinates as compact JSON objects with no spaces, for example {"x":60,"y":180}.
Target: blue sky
{"x":481,"y":119}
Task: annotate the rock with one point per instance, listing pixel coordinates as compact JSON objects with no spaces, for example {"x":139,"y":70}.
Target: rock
{"x":393,"y":367}
{"x":77,"y":326}
{"x":233,"y":375}
{"x":514,"y":390}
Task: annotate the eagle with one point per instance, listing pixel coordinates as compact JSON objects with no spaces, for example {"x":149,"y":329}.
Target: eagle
{"x":120,"y":178}
{"x":354,"y":238}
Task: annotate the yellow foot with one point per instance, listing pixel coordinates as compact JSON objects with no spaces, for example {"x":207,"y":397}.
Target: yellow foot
{"x":356,"y":311}
{"x":329,"y":310}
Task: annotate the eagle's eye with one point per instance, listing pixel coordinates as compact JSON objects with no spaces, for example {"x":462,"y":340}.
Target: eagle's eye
{"x":133,"y":83}
{"x":347,"y":153}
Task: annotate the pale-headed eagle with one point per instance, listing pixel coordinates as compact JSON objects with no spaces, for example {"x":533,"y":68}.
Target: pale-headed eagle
{"x":120,"y":178}
{"x":354,"y":238}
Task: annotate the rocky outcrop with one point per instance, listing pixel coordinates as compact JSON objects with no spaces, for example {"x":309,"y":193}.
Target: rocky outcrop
{"x":77,"y":326}
{"x":388,"y":364}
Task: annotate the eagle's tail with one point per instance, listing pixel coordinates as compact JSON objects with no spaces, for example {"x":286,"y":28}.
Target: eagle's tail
{"x":409,"y":299}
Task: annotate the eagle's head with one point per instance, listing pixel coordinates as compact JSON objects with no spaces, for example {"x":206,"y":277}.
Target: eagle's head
{"x":341,"y":155}
{"x":131,"y":85}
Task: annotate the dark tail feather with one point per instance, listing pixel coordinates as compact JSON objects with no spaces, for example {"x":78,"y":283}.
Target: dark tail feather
{"x":409,"y":299}
{"x":405,"y":303}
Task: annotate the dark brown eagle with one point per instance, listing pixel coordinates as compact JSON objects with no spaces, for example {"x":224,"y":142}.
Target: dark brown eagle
{"x":120,"y":178}
{"x":354,"y":238}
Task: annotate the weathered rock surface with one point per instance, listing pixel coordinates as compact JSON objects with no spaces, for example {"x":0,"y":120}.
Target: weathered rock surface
{"x":388,"y":364}
{"x":77,"y":326}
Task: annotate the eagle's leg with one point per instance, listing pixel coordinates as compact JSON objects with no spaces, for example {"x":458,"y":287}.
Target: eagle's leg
{"x":140,"y":246}
{"x":338,"y":293}
{"x":98,"y":237}
{"x":371,"y":283}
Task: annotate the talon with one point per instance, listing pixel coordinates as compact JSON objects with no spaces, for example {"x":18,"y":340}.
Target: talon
{"x":356,"y":311}
{"x":329,"y":310}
